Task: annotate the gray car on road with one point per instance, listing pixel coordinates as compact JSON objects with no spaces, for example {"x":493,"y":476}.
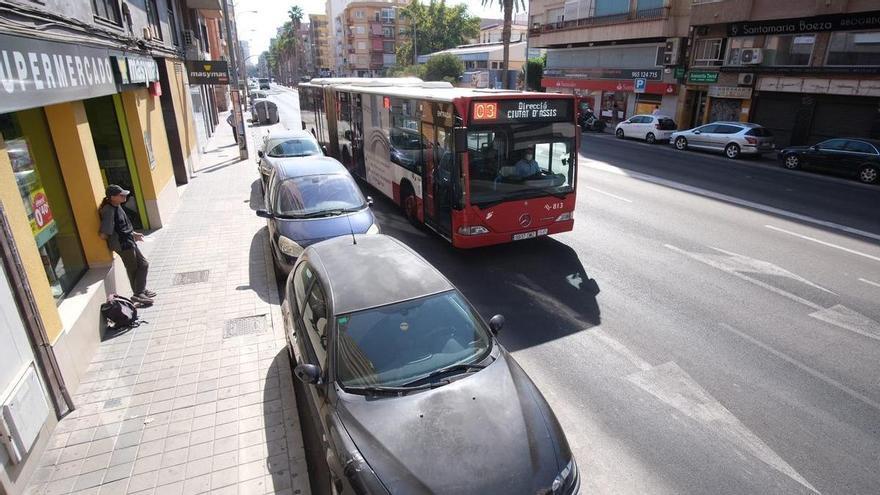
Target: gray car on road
{"x":731,"y":138}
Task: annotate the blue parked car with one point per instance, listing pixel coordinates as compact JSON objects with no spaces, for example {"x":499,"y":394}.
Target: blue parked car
{"x":310,"y":199}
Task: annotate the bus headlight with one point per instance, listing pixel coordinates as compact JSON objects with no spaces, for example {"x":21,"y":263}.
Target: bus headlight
{"x":565,"y":216}
{"x":289,"y":247}
{"x":374,"y":229}
{"x":473,"y":230}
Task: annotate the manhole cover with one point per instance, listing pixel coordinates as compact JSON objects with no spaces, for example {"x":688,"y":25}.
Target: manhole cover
{"x":184,"y":278}
{"x":248,"y":325}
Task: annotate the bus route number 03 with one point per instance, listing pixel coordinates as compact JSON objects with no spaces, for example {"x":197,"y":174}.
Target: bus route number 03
{"x":485,"y":111}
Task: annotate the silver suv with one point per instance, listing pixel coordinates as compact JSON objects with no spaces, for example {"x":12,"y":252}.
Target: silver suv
{"x":731,"y":138}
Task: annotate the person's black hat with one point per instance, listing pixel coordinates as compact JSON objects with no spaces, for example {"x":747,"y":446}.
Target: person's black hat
{"x":113,"y":190}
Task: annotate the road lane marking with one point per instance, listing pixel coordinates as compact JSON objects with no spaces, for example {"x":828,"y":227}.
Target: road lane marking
{"x":805,"y":368}
{"x":837,"y":315}
{"x":875,"y":284}
{"x":607,"y":194}
{"x":743,"y":263}
{"x":817,"y":241}
{"x":597,"y":165}
{"x":673,"y":386}
{"x":619,"y":348}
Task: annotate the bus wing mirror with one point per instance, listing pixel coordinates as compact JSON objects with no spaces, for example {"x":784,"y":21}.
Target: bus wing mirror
{"x":460,"y":134}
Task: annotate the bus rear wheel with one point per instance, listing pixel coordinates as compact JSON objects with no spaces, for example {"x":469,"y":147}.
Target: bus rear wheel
{"x":410,"y":205}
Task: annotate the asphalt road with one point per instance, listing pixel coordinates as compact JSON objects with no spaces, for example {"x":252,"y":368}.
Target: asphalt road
{"x":708,"y":327}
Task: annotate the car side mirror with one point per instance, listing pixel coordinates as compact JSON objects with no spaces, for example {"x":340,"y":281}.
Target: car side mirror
{"x":495,"y":323}
{"x":460,"y":138}
{"x":324,"y":149}
{"x":814,"y":148}
{"x":370,"y":201}
{"x":260,"y":153}
{"x":308,"y":373}
{"x":263,"y":213}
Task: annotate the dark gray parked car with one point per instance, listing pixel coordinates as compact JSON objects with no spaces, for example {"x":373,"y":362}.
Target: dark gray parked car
{"x":408,"y":385}
{"x":852,"y":157}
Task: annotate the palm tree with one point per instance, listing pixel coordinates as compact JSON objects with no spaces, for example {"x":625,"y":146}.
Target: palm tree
{"x":296,"y":15}
{"x":508,"y":7}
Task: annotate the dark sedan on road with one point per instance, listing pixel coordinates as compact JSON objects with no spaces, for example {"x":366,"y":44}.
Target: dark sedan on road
{"x":852,"y":157}
{"x":311,"y":199}
{"x":407,"y":384}
{"x":282,"y":145}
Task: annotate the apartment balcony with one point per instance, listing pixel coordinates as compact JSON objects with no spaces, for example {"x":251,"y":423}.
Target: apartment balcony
{"x":648,"y":23}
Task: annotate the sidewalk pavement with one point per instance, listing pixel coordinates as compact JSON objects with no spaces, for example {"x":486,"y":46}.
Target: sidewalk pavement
{"x":200,"y":398}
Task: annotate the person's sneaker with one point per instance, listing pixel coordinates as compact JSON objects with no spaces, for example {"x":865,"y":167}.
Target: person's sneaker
{"x":141,"y":298}
{"x":149,"y":293}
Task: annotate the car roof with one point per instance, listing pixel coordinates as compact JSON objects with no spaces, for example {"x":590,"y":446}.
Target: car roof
{"x":298,"y":166}
{"x":873,"y":142}
{"x":377,"y":271}
{"x":289,"y":134}
{"x":741,"y":124}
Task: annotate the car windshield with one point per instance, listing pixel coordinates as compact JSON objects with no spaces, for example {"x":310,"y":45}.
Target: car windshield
{"x":520,"y":161}
{"x":403,"y":342}
{"x":312,"y":194}
{"x":294,"y":147}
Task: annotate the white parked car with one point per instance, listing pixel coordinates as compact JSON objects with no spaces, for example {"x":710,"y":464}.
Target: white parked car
{"x":651,"y":128}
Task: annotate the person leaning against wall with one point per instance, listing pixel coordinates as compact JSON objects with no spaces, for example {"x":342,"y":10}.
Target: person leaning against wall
{"x":117,"y":230}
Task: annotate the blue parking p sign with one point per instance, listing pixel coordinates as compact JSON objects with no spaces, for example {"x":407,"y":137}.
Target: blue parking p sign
{"x":640,"y":85}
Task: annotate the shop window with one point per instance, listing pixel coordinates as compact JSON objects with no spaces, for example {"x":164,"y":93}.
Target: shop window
{"x":32,"y":154}
{"x":707,"y":52}
{"x":854,"y":49}
{"x":107,"y":10}
{"x":788,"y":49}
{"x":735,"y":47}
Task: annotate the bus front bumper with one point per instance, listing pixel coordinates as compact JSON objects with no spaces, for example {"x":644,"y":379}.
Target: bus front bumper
{"x":492,"y":238}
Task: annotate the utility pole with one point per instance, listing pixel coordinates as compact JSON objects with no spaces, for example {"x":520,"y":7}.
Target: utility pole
{"x":237,"y":117}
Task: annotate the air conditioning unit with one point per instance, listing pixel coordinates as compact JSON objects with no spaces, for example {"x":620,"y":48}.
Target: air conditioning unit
{"x":752,"y":56}
{"x":189,"y":37}
{"x":672,"y":51}
{"x":746,"y":79}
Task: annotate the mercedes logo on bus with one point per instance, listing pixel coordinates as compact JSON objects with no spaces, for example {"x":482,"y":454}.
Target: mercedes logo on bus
{"x":525,"y":220}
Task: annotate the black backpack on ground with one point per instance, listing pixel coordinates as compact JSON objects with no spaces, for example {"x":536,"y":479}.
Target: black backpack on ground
{"x":120,"y":312}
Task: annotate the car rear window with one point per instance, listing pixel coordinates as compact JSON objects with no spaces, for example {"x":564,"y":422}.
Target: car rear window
{"x":759,"y":132}
{"x":666,"y":124}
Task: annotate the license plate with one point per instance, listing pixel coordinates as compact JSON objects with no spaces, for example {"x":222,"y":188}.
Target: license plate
{"x":529,"y":235}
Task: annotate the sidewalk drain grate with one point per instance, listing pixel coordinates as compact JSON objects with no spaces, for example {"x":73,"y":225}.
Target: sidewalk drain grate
{"x":184,"y":278}
{"x":247,"y":325}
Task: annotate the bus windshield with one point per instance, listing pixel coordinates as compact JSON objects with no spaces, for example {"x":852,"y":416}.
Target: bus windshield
{"x":519,"y":161}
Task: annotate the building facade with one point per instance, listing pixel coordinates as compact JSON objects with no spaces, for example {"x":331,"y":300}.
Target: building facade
{"x":372,"y":31}
{"x":622,"y":57}
{"x":319,"y":36}
{"x":92,"y":92}
{"x":807,"y":72}
{"x":336,"y":34}
{"x":493,"y":32}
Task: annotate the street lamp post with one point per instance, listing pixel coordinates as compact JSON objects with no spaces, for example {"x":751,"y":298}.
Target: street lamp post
{"x":237,"y":117}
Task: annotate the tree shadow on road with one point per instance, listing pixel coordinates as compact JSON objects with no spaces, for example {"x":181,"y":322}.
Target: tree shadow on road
{"x":540,"y":286}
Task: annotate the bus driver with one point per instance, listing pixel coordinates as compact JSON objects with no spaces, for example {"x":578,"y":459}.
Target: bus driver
{"x":527,"y":166}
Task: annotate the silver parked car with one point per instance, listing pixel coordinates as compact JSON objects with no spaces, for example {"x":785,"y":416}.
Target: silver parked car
{"x":280,"y":145}
{"x":731,"y":138}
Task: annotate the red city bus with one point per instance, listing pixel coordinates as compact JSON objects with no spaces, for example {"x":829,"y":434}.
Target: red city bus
{"x":479,"y":167}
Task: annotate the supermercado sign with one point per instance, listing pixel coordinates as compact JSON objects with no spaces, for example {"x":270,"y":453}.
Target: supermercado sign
{"x":34,"y":73}
{"x":512,"y":111}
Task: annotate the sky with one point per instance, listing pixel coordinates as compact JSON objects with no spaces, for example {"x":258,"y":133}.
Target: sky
{"x":259,"y":19}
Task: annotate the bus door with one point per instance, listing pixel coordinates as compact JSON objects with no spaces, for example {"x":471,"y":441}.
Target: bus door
{"x":437,"y":124}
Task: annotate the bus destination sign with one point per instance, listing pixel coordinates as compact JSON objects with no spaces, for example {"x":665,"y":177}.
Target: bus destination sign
{"x":513,"y":111}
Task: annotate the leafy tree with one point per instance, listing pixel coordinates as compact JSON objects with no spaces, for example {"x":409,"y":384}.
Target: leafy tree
{"x":407,"y":71}
{"x":444,"y":67}
{"x":534,"y":71}
{"x":435,"y":26}
{"x":508,"y":7}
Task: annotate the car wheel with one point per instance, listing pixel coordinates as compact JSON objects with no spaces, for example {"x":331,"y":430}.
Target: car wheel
{"x":791,"y":162}
{"x":410,"y":205}
{"x":869,"y":174}
{"x":681,"y":143}
{"x":650,"y":138}
{"x":619,"y":133}
{"x":731,"y":151}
